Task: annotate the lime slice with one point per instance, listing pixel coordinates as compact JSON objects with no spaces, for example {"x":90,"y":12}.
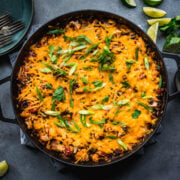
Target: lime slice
{"x":153,"y":2}
{"x":162,"y":21}
{"x":3,"y":168}
{"x":152,"y":31}
{"x":130,"y":3}
{"x":154,"y":12}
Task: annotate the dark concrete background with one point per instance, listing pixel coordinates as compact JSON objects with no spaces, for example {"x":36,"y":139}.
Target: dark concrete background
{"x":160,"y":161}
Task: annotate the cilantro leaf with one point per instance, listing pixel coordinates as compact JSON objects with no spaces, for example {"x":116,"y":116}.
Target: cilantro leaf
{"x":59,"y":94}
{"x":136,"y":114}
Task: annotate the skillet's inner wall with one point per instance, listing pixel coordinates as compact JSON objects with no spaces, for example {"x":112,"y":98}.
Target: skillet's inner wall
{"x":103,"y":145}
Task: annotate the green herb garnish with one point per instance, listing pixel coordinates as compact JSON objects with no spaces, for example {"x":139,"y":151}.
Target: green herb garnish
{"x":146,"y":63}
{"x":39,"y":94}
{"x":130,"y":62}
{"x":89,"y":50}
{"x":101,"y":106}
{"x":71,"y":83}
{"x":56,"y":31}
{"x":97,"y":83}
{"x":125,"y":84}
{"x":86,"y":112}
{"x":59,"y":94}
{"x":143,"y":94}
{"x":84,"y":80}
{"x":53,"y":106}
{"x":136,"y":114}
{"x":73,"y":69}
{"x":123,"y":102}
{"x":111,"y":137}
{"x":105,"y":99}
{"x":49,"y":86}
{"x":111,"y":78}
{"x":51,"y":55}
{"x":76,"y":126}
{"x":118,"y":123}
{"x":78,"y":39}
{"x":106,"y":57}
{"x":83,"y":120}
{"x":103,"y":121}
{"x":88,"y":68}
{"x":122,"y":144}
{"x":137,"y":53}
{"x":108,"y":40}
{"x":45,"y":70}
{"x":52,"y":113}
{"x":145,"y":106}
{"x":171,"y":30}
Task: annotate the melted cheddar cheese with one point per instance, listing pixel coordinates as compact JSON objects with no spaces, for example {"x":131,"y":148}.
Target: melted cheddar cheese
{"x":133,"y":82}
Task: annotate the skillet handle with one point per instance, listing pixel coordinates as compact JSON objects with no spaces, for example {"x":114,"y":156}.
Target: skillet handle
{"x":176,"y":57}
{"x":2,"y":118}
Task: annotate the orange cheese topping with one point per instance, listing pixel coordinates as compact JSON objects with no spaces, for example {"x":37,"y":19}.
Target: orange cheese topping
{"x":123,"y":45}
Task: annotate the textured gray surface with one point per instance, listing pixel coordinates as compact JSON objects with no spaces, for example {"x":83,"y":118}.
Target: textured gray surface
{"x":161,"y":161}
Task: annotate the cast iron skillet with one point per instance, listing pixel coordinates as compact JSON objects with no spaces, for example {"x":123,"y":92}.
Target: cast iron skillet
{"x":62,"y":20}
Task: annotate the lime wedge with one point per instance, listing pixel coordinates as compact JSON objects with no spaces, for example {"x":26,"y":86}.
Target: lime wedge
{"x":154,"y":12}
{"x":152,"y":31}
{"x":162,"y":21}
{"x":3,"y":168}
{"x":129,"y":3}
{"x":153,"y":2}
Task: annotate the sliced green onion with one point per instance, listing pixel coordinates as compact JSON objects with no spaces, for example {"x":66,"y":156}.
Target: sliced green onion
{"x":60,"y":124}
{"x":56,"y":31}
{"x":45,"y":70}
{"x":79,"y":48}
{"x":71,"y":82}
{"x":108,"y":40}
{"x":122,"y":144}
{"x":103,"y":121}
{"x":130,"y":61}
{"x":83,"y":120}
{"x":111,"y":137}
{"x":123,"y":102}
{"x":136,"y":53}
{"x":97,"y":83}
{"x":69,"y":64}
{"x":95,"y":52}
{"x":49,"y":66}
{"x":111,"y":78}
{"x":73,"y":69}
{"x":143,"y":94}
{"x":39,"y":94}
{"x":84,"y":80}
{"x":49,"y":86}
{"x":145,"y":106}
{"x":90,"y":49}
{"x":86,"y":112}
{"x":105,"y":99}
{"x":146,"y":62}
{"x":101,"y":106}
{"x":76,"y":126}
{"x":118,"y":123}
{"x":52,"y":113}
{"x":98,"y":88}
